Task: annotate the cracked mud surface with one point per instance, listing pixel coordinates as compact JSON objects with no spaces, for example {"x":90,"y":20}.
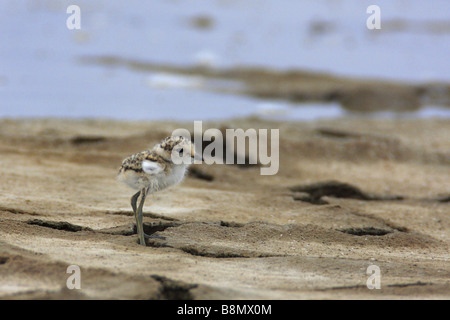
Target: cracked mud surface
{"x":229,"y":233}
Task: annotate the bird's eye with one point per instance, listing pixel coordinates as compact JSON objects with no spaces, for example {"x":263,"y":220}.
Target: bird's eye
{"x":181,"y":152}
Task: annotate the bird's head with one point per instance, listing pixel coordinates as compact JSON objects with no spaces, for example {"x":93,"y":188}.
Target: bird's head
{"x":177,"y":149}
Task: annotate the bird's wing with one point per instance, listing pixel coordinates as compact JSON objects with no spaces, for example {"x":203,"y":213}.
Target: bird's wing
{"x":151,"y":167}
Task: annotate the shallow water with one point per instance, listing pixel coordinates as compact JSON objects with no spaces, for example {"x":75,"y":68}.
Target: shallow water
{"x":40,"y":75}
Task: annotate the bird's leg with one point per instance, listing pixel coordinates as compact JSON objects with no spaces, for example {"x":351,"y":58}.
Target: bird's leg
{"x":133,"y":205}
{"x":139,"y":218}
{"x":153,"y":236}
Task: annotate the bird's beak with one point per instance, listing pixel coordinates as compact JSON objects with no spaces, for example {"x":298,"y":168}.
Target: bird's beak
{"x":198,"y":157}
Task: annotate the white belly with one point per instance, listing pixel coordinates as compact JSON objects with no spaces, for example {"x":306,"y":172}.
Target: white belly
{"x":155,"y":182}
{"x":174,"y":177}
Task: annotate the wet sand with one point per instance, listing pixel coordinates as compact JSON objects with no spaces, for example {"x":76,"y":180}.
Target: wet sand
{"x":349,"y":193}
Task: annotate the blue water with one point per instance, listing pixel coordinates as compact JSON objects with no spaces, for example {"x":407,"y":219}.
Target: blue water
{"x":40,"y":75}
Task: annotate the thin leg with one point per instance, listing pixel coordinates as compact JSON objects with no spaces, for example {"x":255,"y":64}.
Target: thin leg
{"x":153,"y":236}
{"x":133,"y":205}
{"x":134,"y":200}
{"x":139,"y":218}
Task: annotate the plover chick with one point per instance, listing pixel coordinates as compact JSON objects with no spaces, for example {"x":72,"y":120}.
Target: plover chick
{"x":154,"y":170}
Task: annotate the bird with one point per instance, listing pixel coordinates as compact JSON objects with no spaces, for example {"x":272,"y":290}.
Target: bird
{"x":156,"y":169}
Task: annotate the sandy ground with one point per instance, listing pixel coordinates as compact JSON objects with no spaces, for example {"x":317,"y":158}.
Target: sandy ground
{"x":230,"y":233}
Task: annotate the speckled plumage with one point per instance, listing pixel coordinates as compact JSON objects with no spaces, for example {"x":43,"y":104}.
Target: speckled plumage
{"x":133,"y":174}
{"x":154,"y":170}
